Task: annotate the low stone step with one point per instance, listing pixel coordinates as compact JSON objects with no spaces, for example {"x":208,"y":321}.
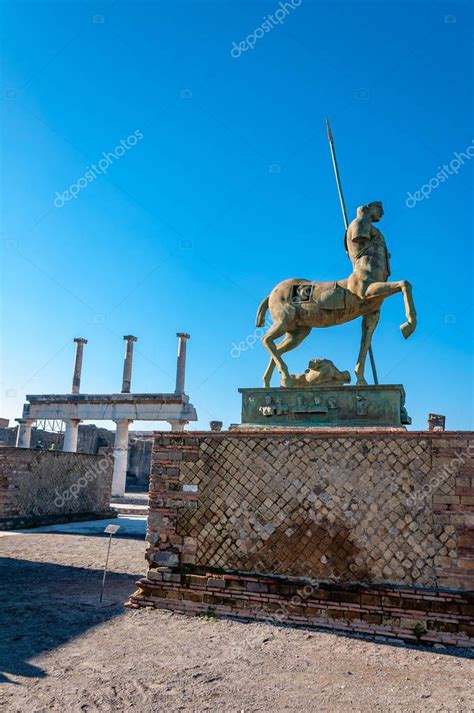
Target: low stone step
{"x":131,"y":499}
{"x":129,"y":509}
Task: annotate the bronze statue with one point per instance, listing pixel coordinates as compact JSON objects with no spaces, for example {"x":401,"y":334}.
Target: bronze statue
{"x":297,"y":305}
{"x":321,"y":372}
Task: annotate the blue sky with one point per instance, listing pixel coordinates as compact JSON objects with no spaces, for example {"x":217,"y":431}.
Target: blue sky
{"x":230,"y":190}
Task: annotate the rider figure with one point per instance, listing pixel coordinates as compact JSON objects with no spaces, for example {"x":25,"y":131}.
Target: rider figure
{"x":367,"y":250}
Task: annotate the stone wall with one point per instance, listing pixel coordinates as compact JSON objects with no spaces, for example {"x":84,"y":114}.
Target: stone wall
{"x":92,"y":439}
{"x":40,"y":487}
{"x":139,"y":463}
{"x":391,"y":511}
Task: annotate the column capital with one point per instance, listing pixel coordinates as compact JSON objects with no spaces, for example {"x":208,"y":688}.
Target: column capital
{"x":178,"y":425}
{"x":122,"y":420}
{"x":130,"y":338}
{"x":183,"y":335}
{"x":25,"y":421}
{"x":80,"y":340}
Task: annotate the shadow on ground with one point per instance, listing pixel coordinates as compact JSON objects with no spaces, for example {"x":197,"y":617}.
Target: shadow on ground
{"x":130,"y":527}
{"x":46,"y":605}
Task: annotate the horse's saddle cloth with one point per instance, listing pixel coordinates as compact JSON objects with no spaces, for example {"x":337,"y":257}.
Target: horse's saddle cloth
{"x":328,"y":295}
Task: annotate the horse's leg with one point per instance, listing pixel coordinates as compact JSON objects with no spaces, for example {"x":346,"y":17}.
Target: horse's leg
{"x":369,"y":322}
{"x":267,"y":377}
{"x":409,"y":326}
{"x":277,"y":329}
{"x":385,"y":289}
{"x":291,"y":341}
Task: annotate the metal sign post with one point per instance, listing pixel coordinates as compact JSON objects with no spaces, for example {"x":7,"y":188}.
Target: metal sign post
{"x":111,"y":530}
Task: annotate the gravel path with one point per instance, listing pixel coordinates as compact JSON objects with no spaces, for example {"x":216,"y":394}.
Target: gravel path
{"x":61,"y":651}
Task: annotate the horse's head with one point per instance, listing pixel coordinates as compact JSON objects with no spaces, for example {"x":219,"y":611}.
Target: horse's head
{"x":325,"y":371}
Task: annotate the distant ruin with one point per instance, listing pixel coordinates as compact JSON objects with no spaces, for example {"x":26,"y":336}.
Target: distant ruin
{"x":123,"y":408}
{"x":95,"y":441}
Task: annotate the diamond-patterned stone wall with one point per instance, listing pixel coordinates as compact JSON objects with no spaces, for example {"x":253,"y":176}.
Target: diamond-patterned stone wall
{"x":332,"y":506}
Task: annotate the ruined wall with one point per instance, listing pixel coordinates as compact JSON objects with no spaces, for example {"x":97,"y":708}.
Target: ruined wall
{"x":139,"y":464}
{"x":395,"y":507}
{"x":91,"y":439}
{"x":40,"y":487}
{"x":239,"y":517}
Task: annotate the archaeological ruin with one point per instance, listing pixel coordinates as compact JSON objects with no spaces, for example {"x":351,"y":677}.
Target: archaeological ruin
{"x":123,"y":408}
{"x":353,"y":529}
{"x":319,"y":508}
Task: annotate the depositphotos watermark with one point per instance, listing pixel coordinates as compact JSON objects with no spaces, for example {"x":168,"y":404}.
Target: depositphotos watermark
{"x":72,"y":492}
{"x":444,"y":172}
{"x":418,"y":495}
{"x":97,"y":469}
{"x":247,"y":343}
{"x":97,"y":169}
{"x":270,"y":21}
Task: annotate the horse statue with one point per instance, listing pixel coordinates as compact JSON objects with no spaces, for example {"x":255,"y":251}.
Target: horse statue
{"x":297,"y":305}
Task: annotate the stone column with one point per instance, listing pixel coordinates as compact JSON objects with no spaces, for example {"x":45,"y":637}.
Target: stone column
{"x":177,"y":425}
{"x":181,"y":362}
{"x":70,"y":435}
{"x":76,"y":379}
{"x":127,"y":364}
{"x":23,"y":436}
{"x":120,"y":457}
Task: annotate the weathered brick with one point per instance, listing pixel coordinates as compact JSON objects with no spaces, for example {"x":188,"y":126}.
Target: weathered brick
{"x":466,"y":538}
{"x":371,"y":618}
{"x":466,"y":563}
{"x":197,"y":580}
{"x":446,"y":499}
{"x":366,"y":599}
{"x":257,"y":587}
{"x":166,"y":558}
{"x":216,"y":582}
{"x":266,"y":504}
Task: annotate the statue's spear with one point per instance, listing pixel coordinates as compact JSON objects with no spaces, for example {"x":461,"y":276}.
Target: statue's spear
{"x":346,"y":222}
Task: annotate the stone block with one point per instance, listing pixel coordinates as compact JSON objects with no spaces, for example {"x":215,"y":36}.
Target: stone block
{"x":214,"y":582}
{"x":169,"y":559}
{"x":325,"y":406}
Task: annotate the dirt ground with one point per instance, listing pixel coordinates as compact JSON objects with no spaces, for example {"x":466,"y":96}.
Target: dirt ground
{"x":61,"y":651}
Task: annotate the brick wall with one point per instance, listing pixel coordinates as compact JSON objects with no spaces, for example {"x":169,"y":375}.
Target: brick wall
{"x":39,"y":487}
{"x":383,"y":510}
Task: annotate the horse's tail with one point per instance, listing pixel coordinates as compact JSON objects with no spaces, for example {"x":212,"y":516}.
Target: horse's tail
{"x":261,"y":312}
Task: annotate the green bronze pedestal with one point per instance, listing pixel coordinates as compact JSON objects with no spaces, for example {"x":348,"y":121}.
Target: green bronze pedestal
{"x":381,"y":406}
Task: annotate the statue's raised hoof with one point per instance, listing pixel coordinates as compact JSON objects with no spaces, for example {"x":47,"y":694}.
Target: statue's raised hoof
{"x":407,"y":329}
